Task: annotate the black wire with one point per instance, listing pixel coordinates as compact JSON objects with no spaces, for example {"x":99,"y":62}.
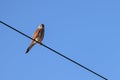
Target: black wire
{"x":55,"y":51}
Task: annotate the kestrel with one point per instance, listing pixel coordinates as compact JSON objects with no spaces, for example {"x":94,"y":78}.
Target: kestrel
{"x":38,"y":36}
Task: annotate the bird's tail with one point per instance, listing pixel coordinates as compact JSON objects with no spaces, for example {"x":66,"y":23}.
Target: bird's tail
{"x":29,"y":48}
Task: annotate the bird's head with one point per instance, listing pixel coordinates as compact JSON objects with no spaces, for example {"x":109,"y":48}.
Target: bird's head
{"x":41,"y":26}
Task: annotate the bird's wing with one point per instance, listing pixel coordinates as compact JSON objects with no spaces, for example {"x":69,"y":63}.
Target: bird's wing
{"x":41,"y":34}
{"x":36,"y":34}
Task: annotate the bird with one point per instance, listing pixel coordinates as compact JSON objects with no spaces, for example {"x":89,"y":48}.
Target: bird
{"x":37,"y":37}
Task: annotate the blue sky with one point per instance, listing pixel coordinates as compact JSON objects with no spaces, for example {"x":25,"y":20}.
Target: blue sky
{"x":87,"y":31}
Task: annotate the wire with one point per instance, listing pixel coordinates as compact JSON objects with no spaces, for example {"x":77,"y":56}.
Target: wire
{"x":55,"y":51}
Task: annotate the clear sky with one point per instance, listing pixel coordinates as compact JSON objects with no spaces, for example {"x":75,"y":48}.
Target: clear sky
{"x":87,"y":31}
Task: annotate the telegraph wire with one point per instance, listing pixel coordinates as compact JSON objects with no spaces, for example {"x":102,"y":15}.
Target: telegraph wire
{"x":55,"y":51}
